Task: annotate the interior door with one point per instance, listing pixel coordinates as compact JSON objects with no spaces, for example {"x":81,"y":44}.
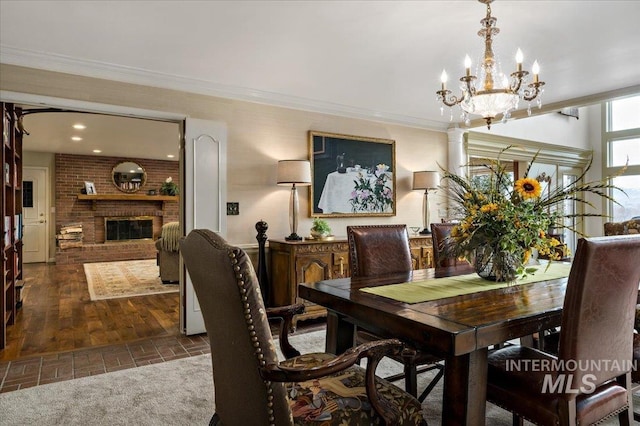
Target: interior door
{"x":34,"y":214}
{"x":205,"y":197}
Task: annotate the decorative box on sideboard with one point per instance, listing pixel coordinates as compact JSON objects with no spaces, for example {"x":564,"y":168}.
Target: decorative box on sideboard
{"x":294,"y":262}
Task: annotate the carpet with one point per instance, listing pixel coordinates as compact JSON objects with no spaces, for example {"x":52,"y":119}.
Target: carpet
{"x":176,"y":392}
{"x":110,"y":280}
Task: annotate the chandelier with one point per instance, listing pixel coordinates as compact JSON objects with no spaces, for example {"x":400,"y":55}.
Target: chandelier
{"x":496,"y":93}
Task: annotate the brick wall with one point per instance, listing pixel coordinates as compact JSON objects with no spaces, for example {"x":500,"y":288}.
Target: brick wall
{"x":71,"y":173}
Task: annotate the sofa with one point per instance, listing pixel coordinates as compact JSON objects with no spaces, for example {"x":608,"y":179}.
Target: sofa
{"x":168,"y":255}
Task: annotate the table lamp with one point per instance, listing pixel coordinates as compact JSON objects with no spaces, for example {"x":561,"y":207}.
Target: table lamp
{"x":426,"y":180}
{"x":294,"y":172}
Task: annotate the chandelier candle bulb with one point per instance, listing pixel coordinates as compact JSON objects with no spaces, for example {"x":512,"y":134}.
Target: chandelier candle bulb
{"x":467,"y":64}
{"x":443,"y":79}
{"x":536,"y":70}
{"x":519,"y":59}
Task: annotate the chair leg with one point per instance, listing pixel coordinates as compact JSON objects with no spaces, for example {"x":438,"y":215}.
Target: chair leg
{"x":411,"y":378}
{"x":517,"y":420}
{"x":626,"y":417}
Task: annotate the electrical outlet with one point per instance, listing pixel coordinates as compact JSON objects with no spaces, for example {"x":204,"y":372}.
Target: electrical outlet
{"x":233,"y":209}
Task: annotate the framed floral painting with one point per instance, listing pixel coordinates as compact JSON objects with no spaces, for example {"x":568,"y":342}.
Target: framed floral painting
{"x":351,"y":175}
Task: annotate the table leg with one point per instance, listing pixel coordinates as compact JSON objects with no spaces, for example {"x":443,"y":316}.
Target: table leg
{"x":340,"y":333}
{"x":465,"y":389}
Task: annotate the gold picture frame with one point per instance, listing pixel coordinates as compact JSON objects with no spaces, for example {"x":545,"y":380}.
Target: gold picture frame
{"x":351,"y":176}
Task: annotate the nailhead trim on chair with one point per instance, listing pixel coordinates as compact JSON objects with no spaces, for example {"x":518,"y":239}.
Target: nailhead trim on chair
{"x":254,"y":338}
{"x":604,"y":419}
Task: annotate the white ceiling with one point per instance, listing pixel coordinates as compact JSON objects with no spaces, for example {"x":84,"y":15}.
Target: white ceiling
{"x":378,"y":60}
{"x":114,"y":136}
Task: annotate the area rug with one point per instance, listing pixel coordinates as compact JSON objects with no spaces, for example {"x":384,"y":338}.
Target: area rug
{"x":110,"y":280}
{"x":177,"y":392}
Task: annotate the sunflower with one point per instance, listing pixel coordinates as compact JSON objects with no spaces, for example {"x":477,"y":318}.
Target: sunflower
{"x":528,"y":188}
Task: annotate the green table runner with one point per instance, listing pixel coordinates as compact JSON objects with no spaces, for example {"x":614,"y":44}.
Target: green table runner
{"x":439,"y":288}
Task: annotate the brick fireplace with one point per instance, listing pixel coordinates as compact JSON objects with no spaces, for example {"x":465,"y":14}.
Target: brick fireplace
{"x":71,"y":173}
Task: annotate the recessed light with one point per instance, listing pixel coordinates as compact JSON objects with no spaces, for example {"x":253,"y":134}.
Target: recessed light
{"x":170,"y":155}
{"x":97,"y":151}
{"x":79,"y":126}
{"x":76,"y":138}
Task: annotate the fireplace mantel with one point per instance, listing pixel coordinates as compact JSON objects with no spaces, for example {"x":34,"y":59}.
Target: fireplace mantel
{"x":127,"y":197}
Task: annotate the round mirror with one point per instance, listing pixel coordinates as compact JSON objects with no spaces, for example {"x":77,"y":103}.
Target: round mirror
{"x":128,"y":176}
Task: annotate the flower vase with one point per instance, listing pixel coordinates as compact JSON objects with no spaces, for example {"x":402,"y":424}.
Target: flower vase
{"x":319,"y":235}
{"x":494,"y":265}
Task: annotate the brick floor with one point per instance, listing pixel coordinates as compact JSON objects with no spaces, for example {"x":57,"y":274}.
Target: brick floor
{"x":40,"y":370}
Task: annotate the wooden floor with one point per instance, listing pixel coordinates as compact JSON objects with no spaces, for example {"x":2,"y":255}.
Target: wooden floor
{"x":57,"y":315}
{"x":61,"y":334}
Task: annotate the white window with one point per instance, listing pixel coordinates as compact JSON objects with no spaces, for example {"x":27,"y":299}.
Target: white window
{"x":622,"y":146}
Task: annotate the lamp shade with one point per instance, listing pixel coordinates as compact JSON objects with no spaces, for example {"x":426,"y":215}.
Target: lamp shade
{"x":426,"y":180}
{"x":294,"y":172}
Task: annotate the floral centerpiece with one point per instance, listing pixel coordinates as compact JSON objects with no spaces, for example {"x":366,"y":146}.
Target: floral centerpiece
{"x":371,"y":193}
{"x":502,"y":222}
{"x":169,"y":187}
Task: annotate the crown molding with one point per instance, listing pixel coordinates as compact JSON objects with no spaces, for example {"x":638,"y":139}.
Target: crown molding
{"x":485,"y":145}
{"x":96,"y":69}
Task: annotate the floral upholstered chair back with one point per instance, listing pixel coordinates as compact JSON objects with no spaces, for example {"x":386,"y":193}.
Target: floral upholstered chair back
{"x":631,"y":226}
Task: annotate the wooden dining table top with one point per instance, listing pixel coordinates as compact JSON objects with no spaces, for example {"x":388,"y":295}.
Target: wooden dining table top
{"x":453,"y":325}
{"x":460,"y":329}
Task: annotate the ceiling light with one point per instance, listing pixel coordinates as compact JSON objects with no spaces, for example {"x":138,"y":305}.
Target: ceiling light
{"x":170,"y":155}
{"x":496,"y":93}
{"x":97,"y":151}
{"x":79,"y":126}
{"x":76,"y":138}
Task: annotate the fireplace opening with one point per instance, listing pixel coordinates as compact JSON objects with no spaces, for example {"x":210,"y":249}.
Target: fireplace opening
{"x":128,"y":228}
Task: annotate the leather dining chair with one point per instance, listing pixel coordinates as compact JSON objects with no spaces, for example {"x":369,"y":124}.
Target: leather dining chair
{"x":380,"y":250}
{"x":252,"y":387}
{"x":440,"y":233}
{"x":590,"y":379}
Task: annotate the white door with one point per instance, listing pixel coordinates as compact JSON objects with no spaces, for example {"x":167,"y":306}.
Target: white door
{"x":205,"y":197}
{"x":34,"y":214}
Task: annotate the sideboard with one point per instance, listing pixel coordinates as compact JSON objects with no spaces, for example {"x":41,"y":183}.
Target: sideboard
{"x":294,"y":262}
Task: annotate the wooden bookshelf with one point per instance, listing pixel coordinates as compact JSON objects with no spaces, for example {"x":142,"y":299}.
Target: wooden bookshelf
{"x":10,"y":216}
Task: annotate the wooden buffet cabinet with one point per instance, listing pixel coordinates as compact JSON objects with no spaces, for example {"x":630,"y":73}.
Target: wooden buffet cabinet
{"x":294,"y":262}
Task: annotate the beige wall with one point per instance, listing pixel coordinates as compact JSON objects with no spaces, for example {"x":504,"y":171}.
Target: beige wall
{"x":258,"y":136}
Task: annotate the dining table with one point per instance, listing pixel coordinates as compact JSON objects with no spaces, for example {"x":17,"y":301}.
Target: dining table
{"x":456,"y":317}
